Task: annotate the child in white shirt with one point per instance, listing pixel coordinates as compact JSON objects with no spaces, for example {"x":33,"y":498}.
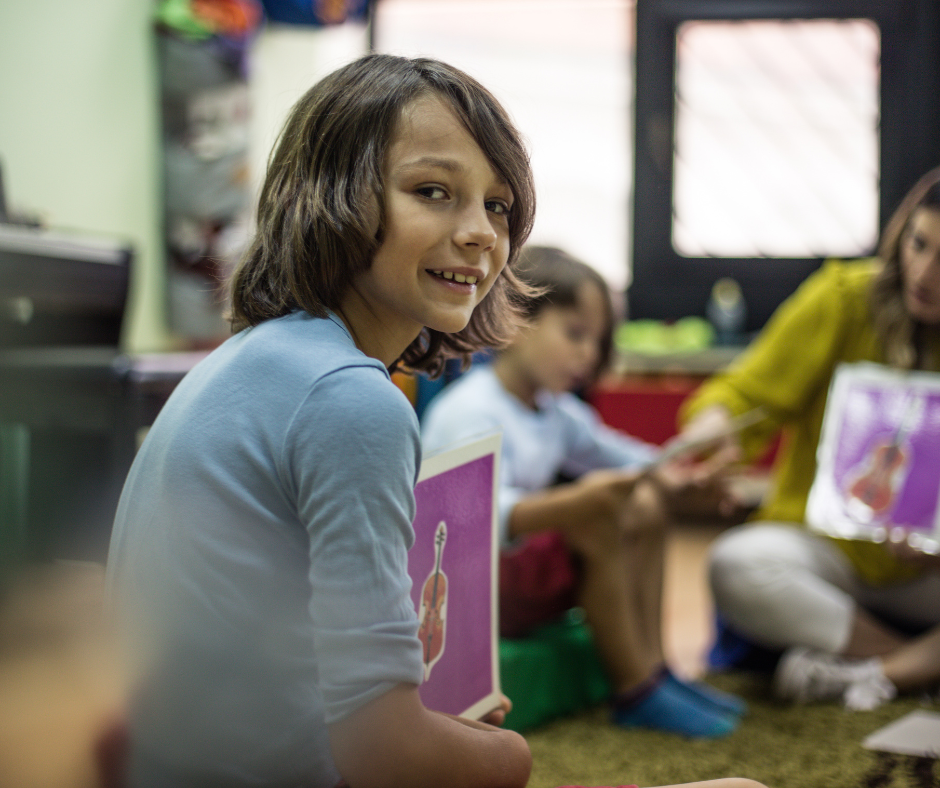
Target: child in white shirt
{"x":597,"y":541}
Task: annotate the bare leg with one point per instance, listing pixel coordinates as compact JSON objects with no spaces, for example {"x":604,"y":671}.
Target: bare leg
{"x":607,"y":596}
{"x":621,"y":593}
{"x":621,"y":590}
{"x":647,"y":551}
{"x":622,"y":586}
{"x":914,"y":664}
{"x":870,"y":638}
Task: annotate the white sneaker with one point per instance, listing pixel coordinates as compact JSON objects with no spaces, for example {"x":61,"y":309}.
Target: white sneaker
{"x":870,"y":693}
{"x":803,"y":676}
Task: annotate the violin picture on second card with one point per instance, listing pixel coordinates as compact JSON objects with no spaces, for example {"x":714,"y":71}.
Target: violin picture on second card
{"x":878,"y":462}
{"x":453,"y":567}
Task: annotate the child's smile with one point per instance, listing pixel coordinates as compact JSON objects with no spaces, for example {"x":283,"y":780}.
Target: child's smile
{"x":450,"y":276}
{"x":445,"y":237}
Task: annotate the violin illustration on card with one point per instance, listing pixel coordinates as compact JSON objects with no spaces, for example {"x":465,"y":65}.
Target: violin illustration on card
{"x":883,"y":471}
{"x":878,"y":460}
{"x":432,"y":629}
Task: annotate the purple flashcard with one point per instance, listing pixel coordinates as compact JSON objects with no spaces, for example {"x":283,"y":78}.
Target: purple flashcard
{"x":879,"y":456}
{"x":453,"y":567}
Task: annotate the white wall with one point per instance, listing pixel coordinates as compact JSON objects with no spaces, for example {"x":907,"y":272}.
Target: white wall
{"x":79,"y":132}
{"x":80,"y":124}
{"x":286,"y":61}
{"x":562,"y":69}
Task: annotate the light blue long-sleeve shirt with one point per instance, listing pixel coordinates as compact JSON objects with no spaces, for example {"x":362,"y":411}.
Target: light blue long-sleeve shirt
{"x":259,"y":556}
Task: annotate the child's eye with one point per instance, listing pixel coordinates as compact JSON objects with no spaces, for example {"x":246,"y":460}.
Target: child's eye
{"x":576,"y":333}
{"x":917,"y":243}
{"x":432,"y":192}
{"x":498,"y":207}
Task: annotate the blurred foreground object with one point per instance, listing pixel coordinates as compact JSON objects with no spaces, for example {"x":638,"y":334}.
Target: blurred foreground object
{"x":61,"y":719}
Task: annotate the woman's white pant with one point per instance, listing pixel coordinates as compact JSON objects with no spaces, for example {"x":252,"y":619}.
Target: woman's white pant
{"x":781,"y":585}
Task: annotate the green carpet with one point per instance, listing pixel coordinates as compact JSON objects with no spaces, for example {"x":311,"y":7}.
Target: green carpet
{"x":782,"y":746}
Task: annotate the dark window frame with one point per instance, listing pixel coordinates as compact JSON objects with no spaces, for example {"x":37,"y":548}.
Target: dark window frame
{"x":666,"y":285}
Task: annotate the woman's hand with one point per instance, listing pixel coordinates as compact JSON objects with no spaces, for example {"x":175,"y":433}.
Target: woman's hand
{"x":697,"y":480}
{"x":707,"y":456}
{"x":914,"y":548}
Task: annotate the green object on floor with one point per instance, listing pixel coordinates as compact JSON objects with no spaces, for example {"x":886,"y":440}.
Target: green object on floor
{"x":552,"y":673}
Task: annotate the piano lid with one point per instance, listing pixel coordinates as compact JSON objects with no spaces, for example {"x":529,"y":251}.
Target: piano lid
{"x":61,"y":288}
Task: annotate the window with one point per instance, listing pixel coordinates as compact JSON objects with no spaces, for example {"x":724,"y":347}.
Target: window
{"x":776,"y":138}
{"x":771,"y":135}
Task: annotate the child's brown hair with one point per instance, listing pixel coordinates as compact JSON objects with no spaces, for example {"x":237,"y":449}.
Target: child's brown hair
{"x":320,"y":212}
{"x":556,"y":278}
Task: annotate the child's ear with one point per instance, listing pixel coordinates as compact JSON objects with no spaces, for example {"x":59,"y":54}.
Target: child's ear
{"x":372,"y":213}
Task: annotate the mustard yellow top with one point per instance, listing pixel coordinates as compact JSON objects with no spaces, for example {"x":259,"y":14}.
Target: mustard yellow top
{"x":787,"y":370}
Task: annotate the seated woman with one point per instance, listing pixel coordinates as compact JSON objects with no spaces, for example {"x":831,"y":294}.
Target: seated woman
{"x":843,"y":611}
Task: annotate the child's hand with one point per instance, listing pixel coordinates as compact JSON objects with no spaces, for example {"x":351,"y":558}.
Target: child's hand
{"x":691,"y":490}
{"x":624,"y":499}
{"x":627,"y":501}
{"x":698,"y":480}
{"x":615,"y":481}
{"x":590,"y":508}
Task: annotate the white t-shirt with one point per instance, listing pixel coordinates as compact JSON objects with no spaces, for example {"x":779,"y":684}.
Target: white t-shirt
{"x":563,"y":435}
